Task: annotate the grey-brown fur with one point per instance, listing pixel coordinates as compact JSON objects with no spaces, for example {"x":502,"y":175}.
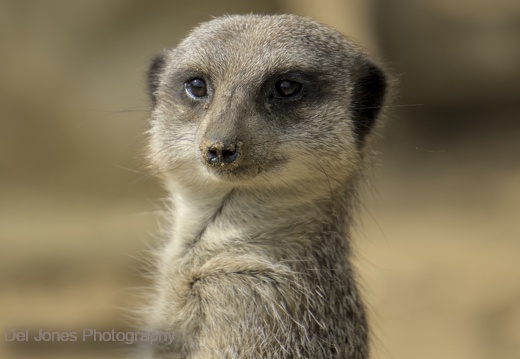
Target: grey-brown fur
{"x":257,"y":260}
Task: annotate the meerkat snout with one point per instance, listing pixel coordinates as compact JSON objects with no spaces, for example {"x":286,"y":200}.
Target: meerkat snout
{"x":221,"y":153}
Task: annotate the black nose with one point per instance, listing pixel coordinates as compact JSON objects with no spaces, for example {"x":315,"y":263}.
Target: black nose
{"x":222,"y":154}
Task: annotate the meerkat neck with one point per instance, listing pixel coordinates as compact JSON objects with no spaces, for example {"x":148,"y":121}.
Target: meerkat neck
{"x":216,"y":217}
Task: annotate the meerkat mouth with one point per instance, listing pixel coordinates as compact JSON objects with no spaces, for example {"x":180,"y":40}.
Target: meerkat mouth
{"x":237,"y":174}
{"x":247,"y":173}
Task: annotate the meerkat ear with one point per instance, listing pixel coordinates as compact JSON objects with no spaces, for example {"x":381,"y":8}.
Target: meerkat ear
{"x":154,"y":74}
{"x":368,"y":97}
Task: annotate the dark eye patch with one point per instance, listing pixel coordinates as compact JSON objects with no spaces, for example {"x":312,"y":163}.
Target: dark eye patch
{"x":288,"y":89}
{"x":288,"y":86}
{"x":284,"y":89}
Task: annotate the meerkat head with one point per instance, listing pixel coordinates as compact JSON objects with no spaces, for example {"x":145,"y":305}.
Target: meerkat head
{"x":260,"y":100}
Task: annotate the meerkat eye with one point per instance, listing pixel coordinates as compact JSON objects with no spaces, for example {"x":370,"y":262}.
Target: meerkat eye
{"x":196,"y":88}
{"x":287,"y":89}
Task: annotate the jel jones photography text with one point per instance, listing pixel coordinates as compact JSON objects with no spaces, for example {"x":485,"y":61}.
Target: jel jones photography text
{"x":14,"y":335}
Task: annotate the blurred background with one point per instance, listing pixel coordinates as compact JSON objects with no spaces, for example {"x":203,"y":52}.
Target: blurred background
{"x":439,"y":246}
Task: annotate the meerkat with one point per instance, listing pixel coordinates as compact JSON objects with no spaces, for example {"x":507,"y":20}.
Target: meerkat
{"x":260,"y":131}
